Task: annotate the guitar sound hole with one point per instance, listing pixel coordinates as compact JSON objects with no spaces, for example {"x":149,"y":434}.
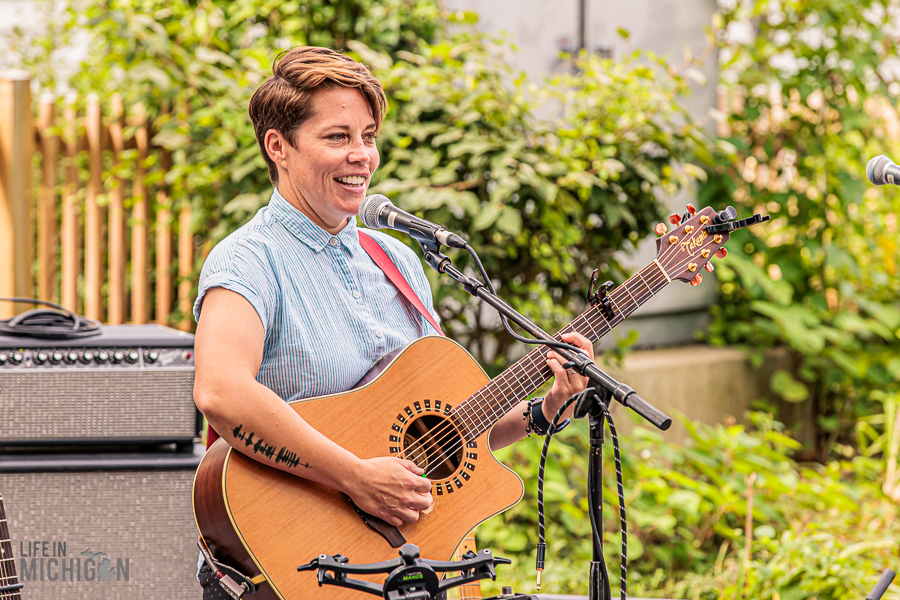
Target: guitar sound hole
{"x":434,"y":444}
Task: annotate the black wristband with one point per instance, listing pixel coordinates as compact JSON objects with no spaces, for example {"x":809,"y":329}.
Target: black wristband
{"x":538,"y":422}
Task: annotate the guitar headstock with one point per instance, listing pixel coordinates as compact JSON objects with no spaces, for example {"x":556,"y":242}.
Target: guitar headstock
{"x":698,"y":236}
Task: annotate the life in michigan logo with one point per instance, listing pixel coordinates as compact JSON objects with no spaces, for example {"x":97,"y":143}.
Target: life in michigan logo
{"x":50,"y":561}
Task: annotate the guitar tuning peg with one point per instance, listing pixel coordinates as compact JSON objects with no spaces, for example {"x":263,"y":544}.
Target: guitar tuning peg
{"x":722,"y":252}
{"x":660,"y":229}
{"x":697,"y":280}
{"x":709,"y":267}
{"x":690,"y":208}
{"x":675,"y":219}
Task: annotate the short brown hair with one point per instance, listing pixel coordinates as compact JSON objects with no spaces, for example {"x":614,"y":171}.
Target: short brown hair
{"x":284,"y":101}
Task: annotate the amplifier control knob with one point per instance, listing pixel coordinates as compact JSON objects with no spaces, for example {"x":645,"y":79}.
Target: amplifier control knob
{"x":40,"y":358}
{"x":102,"y":357}
{"x":118,"y":356}
{"x":131,"y":357}
{"x":56,"y":357}
{"x":87,"y":357}
{"x":71,"y":357}
{"x":17,"y":358}
{"x":3,"y":358}
{"x":152,"y":356}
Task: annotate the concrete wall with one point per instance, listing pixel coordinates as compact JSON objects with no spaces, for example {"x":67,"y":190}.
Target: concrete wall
{"x":705,"y":384}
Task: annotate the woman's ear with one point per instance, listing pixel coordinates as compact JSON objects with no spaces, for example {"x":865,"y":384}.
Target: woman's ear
{"x":276,"y":147}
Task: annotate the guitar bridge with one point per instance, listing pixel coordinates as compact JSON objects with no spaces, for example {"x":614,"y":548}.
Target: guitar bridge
{"x":389,"y":532}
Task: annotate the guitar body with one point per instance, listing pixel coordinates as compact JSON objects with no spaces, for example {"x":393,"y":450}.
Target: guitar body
{"x":267,"y":522}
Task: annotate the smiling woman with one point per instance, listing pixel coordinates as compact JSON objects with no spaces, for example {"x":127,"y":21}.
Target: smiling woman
{"x":293,"y":307}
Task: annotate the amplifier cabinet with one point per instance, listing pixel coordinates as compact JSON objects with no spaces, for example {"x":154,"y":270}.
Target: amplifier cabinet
{"x":116,"y":527}
{"x":133,"y":384}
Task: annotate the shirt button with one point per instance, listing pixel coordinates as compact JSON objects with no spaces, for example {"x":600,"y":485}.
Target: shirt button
{"x":356,"y":294}
{"x":378,"y":333}
{"x":333,"y":241}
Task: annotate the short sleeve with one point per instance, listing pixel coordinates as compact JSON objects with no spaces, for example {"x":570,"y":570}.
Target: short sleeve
{"x":244,"y":268}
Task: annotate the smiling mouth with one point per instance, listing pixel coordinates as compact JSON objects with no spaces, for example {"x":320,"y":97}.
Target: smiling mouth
{"x":352,"y":180}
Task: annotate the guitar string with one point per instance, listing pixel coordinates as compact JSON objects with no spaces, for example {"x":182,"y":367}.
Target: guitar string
{"x":513,"y":372}
{"x":7,"y":571}
{"x":650,"y":289}
{"x":519,"y":367}
{"x":448,"y":431}
{"x":4,"y":533}
{"x":577,"y":324}
{"x":502,"y":379}
{"x":585,"y":317}
{"x":456,"y":446}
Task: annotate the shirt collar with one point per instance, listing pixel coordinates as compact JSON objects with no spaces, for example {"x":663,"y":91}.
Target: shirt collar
{"x":305,"y":230}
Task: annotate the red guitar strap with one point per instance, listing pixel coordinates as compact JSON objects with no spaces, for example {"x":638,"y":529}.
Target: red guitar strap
{"x":385,"y":263}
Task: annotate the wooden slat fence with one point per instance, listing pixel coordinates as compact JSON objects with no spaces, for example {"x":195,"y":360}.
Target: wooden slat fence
{"x":97,"y":231}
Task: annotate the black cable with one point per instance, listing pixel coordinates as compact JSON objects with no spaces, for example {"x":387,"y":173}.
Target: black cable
{"x":542,"y":545}
{"x":595,"y":528}
{"x":57,"y":324}
{"x":623,"y":568}
{"x":505,"y":321}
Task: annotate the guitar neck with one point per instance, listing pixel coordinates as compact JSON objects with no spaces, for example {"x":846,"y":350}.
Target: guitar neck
{"x":8,"y":575}
{"x":481,"y":410}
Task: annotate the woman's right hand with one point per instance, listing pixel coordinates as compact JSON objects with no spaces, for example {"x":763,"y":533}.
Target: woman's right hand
{"x":391,"y":489}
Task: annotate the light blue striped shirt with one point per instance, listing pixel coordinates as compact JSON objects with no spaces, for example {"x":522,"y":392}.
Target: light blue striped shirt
{"x":328,"y":310}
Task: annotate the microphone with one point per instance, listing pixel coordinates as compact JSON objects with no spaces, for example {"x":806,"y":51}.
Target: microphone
{"x":881,"y":170}
{"x":378,"y":212}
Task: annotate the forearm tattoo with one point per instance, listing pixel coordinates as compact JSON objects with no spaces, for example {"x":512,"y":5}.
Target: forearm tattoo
{"x":259,"y":446}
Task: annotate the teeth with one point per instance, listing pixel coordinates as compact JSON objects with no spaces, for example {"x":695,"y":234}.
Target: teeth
{"x":351,"y":180}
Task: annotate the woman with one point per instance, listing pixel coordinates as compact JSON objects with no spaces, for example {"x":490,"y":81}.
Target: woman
{"x":290,"y":306}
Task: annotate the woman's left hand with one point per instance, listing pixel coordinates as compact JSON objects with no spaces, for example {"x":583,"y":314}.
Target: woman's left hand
{"x":566,"y":382}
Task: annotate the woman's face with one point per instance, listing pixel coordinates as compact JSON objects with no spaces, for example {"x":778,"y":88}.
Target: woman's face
{"x":327,"y":171}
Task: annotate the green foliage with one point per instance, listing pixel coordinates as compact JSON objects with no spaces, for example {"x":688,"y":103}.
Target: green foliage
{"x":544,"y":200}
{"x":821,"y":277}
{"x":817,"y":531}
{"x":547,"y":181}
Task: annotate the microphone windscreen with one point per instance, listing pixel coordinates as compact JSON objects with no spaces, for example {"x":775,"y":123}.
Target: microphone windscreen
{"x":369,"y":209}
{"x":875,"y":169}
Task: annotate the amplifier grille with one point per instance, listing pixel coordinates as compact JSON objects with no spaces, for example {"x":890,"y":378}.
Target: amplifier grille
{"x":47,"y":405}
{"x":142,"y":516}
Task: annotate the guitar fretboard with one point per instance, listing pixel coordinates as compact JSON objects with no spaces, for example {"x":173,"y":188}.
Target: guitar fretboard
{"x":481,"y":410}
{"x":7,"y":561}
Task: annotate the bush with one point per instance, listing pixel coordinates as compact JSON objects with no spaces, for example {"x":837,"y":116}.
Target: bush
{"x":821,"y":277}
{"x":821,"y":531}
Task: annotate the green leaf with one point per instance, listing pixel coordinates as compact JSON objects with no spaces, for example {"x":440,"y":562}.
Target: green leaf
{"x":487,"y":217}
{"x":785,"y":385}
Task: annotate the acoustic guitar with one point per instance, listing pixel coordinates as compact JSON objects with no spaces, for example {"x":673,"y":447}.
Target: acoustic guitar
{"x":433,"y":404}
{"x":9,"y":580}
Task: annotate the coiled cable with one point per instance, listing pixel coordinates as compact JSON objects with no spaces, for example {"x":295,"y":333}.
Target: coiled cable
{"x":56,"y":323}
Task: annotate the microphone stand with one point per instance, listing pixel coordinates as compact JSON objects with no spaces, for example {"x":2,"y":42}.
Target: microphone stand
{"x":589,"y":405}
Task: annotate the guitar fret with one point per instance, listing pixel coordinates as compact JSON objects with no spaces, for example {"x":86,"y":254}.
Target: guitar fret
{"x":644,"y":281}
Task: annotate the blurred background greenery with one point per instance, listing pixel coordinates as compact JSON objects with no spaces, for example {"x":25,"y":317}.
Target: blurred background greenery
{"x":550,"y":179}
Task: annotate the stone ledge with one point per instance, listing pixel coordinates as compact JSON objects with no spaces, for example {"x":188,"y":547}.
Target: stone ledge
{"x":706,"y":384}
